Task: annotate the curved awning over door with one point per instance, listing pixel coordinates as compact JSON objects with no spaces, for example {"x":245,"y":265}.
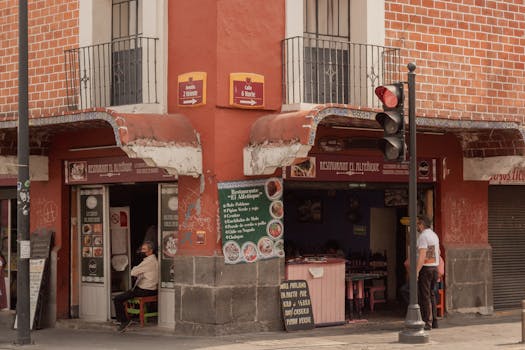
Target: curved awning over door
{"x":165,"y":141}
{"x":278,"y":140}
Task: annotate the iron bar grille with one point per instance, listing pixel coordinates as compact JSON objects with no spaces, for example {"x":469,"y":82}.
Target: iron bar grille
{"x":118,"y":73}
{"x":319,"y":70}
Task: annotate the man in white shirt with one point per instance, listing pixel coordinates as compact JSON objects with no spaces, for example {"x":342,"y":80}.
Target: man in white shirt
{"x":427,"y":265}
{"x":147,"y":274}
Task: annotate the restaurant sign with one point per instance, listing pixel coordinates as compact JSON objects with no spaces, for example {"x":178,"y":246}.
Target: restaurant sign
{"x":515,"y":177}
{"x":355,"y":169}
{"x":251,"y":216}
{"x":113,"y":170}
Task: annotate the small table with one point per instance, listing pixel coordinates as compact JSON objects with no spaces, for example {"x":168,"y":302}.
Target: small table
{"x":358,"y":280}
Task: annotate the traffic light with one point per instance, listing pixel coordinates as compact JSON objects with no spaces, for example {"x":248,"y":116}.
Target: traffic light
{"x":391,"y":119}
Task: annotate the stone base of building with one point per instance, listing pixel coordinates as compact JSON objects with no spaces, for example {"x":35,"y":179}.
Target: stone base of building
{"x":212,"y":298}
{"x":468,"y":278}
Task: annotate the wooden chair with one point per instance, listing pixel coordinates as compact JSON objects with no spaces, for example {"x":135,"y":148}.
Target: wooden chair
{"x":137,"y":306}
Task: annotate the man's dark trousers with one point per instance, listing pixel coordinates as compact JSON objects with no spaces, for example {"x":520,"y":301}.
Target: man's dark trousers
{"x":425,"y":282}
{"x":119,"y":300}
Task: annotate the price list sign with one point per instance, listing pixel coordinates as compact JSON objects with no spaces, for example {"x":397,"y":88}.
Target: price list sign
{"x":296,"y":305}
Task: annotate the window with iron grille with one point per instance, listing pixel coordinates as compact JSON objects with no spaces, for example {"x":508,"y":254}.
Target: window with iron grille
{"x":330,"y":18}
{"x":326,"y":26}
{"x":119,"y":63}
{"x":126,"y":52}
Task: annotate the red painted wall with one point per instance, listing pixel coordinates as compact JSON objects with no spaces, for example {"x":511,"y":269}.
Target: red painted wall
{"x":226,"y":40}
{"x":461,"y":206}
{"x":50,"y":209}
{"x":220,"y":38}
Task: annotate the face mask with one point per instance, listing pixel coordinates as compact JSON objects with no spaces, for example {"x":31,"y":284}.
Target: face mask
{"x":142,"y":255}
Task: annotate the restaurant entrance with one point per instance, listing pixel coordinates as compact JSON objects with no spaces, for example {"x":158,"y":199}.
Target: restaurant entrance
{"x":352,"y":209}
{"x":116,"y":204}
{"x":115,"y":220}
{"x":362,"y":225}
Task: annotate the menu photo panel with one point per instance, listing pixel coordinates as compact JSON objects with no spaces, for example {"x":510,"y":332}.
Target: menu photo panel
{"x":92,"y":235}
{"x":169,"y":232}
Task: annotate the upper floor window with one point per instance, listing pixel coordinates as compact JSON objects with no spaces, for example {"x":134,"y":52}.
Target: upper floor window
{"x":329,"y":18}
{"x":125,"y":19}
{"x":127,"y":52}
{"x":121,"y":60}
{"x":334,"y":52}
{"x":326,"y":26}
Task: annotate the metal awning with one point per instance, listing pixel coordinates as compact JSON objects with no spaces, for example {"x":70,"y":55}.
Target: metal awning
{"x":165,"y":141}
{"x":277,"y":140}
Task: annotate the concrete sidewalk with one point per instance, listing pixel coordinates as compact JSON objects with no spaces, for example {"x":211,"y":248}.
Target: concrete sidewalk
{"x":499,"y":331}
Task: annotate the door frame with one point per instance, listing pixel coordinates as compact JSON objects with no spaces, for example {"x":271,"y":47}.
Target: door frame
{"x":8,"y":195}
{"x":104,"y":313}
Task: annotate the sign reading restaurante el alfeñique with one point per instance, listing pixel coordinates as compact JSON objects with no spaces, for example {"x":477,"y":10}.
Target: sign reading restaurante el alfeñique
{"x":251,"y":215}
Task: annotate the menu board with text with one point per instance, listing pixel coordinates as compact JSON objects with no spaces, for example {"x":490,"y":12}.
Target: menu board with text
{"x":296,"y":305}
{"x":251,"y":216}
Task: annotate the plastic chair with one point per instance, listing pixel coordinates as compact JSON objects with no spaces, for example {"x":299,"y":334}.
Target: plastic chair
{"x":137,"y":306}
{"x":372,"y":296}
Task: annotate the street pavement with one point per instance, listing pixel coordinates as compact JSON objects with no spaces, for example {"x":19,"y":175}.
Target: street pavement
{"x":498,"y":331}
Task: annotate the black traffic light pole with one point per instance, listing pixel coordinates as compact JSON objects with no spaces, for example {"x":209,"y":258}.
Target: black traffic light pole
{"x":413,"y":332}
{"x":24,"y":252}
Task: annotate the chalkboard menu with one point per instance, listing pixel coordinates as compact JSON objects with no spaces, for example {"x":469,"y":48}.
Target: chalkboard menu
{"x":296,"y":305}
{"x":37,"y":285}
{"x":41,"y":242}
{"x":251,"y":214}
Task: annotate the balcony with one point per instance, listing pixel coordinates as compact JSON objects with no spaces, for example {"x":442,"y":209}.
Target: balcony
{"x":122,"y":72}
{"x":324,"y":70}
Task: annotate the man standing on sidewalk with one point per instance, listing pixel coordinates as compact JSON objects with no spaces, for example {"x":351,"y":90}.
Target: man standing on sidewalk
{"x":146,"y":285}
{"x":427,"y":264}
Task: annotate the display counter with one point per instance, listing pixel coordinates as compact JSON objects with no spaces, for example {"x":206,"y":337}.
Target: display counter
{"x":326,"y":283}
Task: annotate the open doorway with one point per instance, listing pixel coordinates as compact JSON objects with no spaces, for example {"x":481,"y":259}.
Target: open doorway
{"x":133,"y":220}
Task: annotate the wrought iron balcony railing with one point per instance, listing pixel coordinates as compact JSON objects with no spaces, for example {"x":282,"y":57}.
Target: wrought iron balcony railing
{"x":318,"y":71}
{"x":118,"y":73}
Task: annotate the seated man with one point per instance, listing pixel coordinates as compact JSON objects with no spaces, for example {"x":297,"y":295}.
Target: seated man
{"x":146,"y":285}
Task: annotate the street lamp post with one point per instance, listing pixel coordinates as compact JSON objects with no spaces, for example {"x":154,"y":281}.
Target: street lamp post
{"x":413,"y":332}
{"x":24,"y":250}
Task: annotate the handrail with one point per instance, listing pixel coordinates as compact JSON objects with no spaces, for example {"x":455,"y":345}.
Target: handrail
{"x":324,"y":69}
{"x":121,"y":72}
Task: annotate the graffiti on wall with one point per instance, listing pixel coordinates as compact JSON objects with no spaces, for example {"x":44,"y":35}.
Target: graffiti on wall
{"x":194,"y":219}
{"x":45,"y":212}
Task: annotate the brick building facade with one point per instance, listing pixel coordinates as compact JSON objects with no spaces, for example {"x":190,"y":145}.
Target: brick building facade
{"x":53,"y":27}
{"x":470,"y":90}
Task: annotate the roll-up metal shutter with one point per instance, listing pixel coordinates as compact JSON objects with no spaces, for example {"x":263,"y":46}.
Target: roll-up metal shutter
{"x":507,"y":237}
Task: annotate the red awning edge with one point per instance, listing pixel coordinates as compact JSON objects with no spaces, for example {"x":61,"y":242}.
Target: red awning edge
{"x":166,"y":141}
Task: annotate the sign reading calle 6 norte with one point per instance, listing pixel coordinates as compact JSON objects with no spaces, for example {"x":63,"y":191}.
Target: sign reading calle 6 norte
{"x":246,"y":90}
